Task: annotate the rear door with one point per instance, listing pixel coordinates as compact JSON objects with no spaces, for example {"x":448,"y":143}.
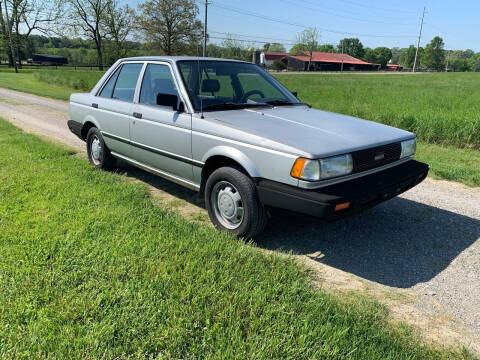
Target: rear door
{"x":161,"y":137}
{"x":115,"y":102}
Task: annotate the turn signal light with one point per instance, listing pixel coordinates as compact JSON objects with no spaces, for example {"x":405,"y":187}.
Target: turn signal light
{"x":297,"y":168}
{"x":342,"y":206}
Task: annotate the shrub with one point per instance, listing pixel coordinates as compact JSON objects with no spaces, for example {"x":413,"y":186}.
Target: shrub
{"x":278,"y":65}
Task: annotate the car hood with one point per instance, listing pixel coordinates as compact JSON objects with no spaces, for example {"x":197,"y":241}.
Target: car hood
{"x":315,"y":132}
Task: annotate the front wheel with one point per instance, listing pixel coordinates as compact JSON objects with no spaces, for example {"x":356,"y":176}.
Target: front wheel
{"x":98,"y":153}
{"x":233,"y":204}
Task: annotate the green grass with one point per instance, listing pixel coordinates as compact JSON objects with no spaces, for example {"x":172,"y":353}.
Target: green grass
{"x":450,"y":163}
{"x":90,"y":268}
{"x":440,"y":108}
{"x":74,"y":80}
{"x":25,"y":81}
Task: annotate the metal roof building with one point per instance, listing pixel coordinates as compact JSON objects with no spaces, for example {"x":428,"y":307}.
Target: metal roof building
{"x":320,"y":61}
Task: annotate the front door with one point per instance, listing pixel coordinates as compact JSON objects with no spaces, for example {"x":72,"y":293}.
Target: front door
{"x":161,"y":137}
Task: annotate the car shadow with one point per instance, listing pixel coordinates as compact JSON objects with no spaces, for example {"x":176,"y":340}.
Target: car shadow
{"x":399,"y":243}
{"x":159,"y":183}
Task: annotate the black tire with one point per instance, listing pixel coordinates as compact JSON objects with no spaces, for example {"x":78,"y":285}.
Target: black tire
{"x":104,"y":159}
{"x":254,"y":216}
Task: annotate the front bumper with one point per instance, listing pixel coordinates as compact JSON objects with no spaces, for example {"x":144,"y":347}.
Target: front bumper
{"x":364,"y":192}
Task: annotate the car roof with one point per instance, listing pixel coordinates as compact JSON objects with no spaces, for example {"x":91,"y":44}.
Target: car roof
{"x":173,"y":59}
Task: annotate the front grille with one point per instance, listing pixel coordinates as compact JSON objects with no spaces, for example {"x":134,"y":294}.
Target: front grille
{"x":377,"y":156}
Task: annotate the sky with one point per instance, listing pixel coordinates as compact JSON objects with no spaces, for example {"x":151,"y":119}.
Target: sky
{"x":374,"y":22}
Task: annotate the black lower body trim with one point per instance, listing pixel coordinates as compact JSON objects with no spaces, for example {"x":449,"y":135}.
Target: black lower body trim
{"x":76,"y":128}
{"x":364,"y":192}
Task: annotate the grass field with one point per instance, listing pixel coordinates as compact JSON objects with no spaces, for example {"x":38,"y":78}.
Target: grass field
{"x":25,"y":81}
{"x":90,"y":269}
{"x":75,"y":80}
{"x":442,"y":109}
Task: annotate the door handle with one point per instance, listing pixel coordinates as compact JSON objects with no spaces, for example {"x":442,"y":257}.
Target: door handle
{"x":137,"y":115}
{"x":95,"y":106}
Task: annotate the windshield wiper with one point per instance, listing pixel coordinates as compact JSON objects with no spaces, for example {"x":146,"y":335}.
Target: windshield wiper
{"x":283,"y":102}
{"x":229,"y":106}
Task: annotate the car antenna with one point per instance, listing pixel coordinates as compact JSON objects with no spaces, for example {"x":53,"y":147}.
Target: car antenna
{"x":199,"y":87}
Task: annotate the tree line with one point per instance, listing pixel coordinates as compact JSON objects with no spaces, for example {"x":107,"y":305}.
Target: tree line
{"x":432,"y":57}
{"x":101,"y":31}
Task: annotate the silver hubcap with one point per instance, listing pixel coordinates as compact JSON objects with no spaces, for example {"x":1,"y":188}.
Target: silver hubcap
{"x":227,"y":203}
{"x":96,"y":150}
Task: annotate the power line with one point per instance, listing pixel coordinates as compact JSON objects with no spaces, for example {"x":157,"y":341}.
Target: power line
{"x":251,"y":36}
{"x":264,"y":17}
{"x":245,"y":40}
{"x":348,"y":17}
{"x":351,"y":12}
{"x":378,"y":8}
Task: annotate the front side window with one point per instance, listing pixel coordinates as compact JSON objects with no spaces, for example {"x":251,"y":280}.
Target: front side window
{"x":158,"y":79}
{"x":213,"y":84}
{"x":127,"y":82}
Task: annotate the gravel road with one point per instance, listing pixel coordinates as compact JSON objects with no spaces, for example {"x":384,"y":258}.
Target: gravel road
{"x":418,"y":253}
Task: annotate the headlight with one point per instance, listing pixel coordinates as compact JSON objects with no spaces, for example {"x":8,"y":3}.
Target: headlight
{"x":408,"y":148}
{"x":336,"y":166}
{"x":314,"y":170}
{"x":306,"y":169}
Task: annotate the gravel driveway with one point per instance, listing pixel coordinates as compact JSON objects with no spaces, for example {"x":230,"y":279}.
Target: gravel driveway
{"x":418,"y":253}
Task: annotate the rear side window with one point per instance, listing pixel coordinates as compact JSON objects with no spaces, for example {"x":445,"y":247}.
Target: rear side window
{"x":108,"y":88}
{"x":127,"y":82}
{"x":158,"y":79}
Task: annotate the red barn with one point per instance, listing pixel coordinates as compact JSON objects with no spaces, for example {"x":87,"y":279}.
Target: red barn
{"x":328,"y":62}
{"x":268,"y":57}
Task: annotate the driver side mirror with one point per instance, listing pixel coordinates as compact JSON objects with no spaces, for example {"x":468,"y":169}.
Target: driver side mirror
{"x":295,"y":93}
{"x":170,"y":100}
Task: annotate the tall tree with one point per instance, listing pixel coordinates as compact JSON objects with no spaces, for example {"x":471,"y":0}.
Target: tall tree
{"x":169,"y":24}
{"x":276,"y":47}
{"x":370,"y":55}
{"x":352,"y":47}
{"x":383,"y":55}
{"x":118,"y":25}
{"x":408,"y":56}
{"x":329,"y":48}
{"x":434,"y":54}
{"x":87,"y":19}
{"x":4,"y":33}
{"x":396,"y":52}
{"x":32,"y":15}
{"x":307,"y":41}
{"x":234,"y":49}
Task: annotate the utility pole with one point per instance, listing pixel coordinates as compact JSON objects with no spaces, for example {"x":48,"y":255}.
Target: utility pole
{"x":205,"y":30}
{"x":418,"y":43}
{"x":10,"y":38}
{"x":342,"y":57}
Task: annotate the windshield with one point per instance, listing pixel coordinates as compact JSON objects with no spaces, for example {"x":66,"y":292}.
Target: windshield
{"x":224,"y":85}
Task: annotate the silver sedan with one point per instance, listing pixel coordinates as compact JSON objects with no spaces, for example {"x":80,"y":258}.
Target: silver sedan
{"x":230,"y":131}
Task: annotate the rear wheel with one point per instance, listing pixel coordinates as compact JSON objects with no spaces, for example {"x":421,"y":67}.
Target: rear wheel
{"x":98,"y":153}
{"x":233,"y":204}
